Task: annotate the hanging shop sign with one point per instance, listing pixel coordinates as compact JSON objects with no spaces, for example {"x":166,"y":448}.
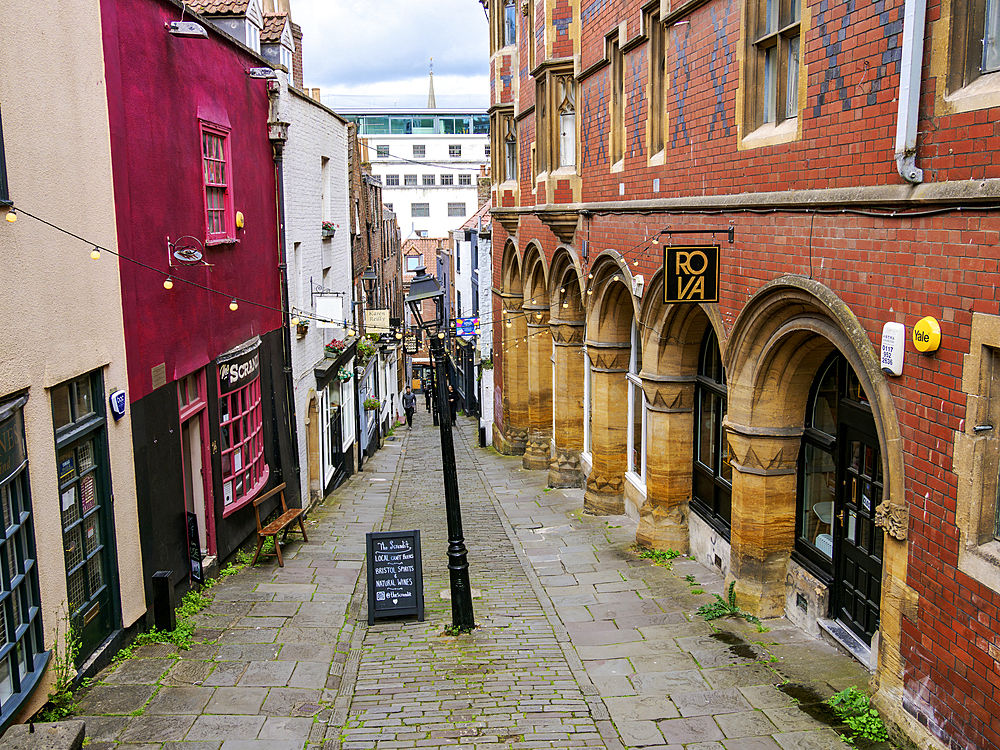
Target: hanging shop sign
{"x":239,"y":367}
{"x":690,"y":273}
{"x":376,"y":322}
{"x":411,"y":343}
{"x":927,"y":335}
{"x":395,"y":574}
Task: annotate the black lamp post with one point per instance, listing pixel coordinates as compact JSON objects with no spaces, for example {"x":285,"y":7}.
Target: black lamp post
{"x":369,"y":278}
{"x":425,"y":287}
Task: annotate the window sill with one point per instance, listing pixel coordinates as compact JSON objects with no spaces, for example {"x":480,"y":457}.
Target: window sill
{"x":222,"y":241}
{"x":982,"y":93}
{"x":982,"y":563}
{"x":247,"y":499}
{"x":770,"y":134}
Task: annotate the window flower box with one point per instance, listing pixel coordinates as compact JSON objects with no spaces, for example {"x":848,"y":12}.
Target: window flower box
{"x":372,"y":404}
{"x":329,"y":229}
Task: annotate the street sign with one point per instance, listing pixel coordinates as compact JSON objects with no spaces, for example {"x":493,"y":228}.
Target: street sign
{"x":691,"y":274}
{"x":262,"y":73}
{"x":395,"y":574}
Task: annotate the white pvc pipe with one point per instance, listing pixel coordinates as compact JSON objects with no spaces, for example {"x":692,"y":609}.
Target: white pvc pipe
{"x":914,"y":13}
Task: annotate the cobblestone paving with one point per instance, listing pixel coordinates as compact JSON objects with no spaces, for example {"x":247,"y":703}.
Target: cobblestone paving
{"x":580,"y":643}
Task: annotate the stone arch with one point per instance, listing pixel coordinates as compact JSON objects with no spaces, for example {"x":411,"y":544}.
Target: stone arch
{"x":538,"y":345}
{"x":777,"y":345}
{"x":611,"y":310}
{"x":567,"y":324}
{"x":672,"y":335}
{"x":511,"y":436}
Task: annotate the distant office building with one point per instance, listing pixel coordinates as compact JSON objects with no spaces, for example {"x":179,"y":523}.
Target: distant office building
{"x":428,"y":161}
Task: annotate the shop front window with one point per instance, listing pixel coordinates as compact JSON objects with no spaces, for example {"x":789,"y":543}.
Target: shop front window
{"x":22,"y":654}
{"x":818,"y":469}
{"x":244,"y":468}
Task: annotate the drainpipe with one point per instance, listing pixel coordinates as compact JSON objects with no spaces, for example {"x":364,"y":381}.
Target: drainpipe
{"x":278,"y":133}
{"x":914,"y":12}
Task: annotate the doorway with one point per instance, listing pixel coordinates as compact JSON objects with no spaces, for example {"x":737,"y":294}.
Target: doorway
{"x":857,"y":541}
{"x":196,"y":462}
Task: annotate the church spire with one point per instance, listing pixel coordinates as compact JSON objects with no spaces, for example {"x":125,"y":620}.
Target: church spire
{"x":431,"y":104}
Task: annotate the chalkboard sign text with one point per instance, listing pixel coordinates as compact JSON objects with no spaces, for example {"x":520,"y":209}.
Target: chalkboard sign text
{"x":395,"y":574}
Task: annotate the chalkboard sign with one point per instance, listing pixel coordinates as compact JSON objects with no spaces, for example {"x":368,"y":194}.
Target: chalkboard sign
{"x":395,"y":575}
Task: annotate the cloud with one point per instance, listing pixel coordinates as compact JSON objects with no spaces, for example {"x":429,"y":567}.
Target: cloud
{"x":349,"y":45}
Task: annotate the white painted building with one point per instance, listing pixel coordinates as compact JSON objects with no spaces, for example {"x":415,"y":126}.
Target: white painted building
{"x":317,"y":195}
{"x":428,"y":161}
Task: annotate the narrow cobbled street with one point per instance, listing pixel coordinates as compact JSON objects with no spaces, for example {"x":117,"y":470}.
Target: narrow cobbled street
{"x":580,"y":643}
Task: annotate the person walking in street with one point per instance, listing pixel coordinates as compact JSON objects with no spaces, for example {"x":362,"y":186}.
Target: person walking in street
{"x":452,"y":402}
{"x":427,"y":394}
{"x":409,"y":405}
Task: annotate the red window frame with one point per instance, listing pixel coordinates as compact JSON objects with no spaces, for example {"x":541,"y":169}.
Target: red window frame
{"x":242,"y":443}
{"x":217,"y":184}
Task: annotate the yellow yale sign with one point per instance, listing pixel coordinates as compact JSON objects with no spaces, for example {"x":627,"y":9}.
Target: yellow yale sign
{"x":691,"y":274}
{"x":927,"y":335}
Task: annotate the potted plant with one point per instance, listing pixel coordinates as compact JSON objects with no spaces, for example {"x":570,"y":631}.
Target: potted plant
{"x":366,"y":350}
{"x":302,"y":328}
{"x":329,"y":229}
{"x":335,"y":347}
{"x":372,"y":404}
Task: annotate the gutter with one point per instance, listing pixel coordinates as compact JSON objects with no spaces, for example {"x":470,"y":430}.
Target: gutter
{"x":914,"y":13}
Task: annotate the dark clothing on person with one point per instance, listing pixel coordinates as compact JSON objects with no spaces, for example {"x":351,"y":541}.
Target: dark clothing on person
{"x":409,"y":404}
{"x":453,"y":403}
{"x":427,"y":395}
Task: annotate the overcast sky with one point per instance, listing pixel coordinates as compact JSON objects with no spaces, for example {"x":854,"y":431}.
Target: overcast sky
{"x":377,"y":52}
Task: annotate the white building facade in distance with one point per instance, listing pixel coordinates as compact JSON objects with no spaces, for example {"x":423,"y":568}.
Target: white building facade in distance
{"x":428,"y":161}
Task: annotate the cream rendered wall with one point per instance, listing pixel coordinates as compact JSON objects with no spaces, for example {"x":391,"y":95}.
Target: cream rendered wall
{"x":61,"y":310}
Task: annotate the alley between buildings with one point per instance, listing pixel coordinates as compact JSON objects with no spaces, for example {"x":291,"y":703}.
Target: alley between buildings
{"x":580,"y":643}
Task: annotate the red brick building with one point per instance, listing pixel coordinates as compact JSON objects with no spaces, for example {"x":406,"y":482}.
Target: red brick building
{"x":839,"y":162}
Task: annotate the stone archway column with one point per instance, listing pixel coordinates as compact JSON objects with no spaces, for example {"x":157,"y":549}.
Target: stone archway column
{"x":609,"y":428}
{"x":763,"y":529}
{"x":663,"y":518}
{"x":538,"y":452}
{"x":515,"y":377}
{"x":568,"y":367}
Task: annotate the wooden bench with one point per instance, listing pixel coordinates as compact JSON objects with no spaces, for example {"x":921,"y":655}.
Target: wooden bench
{"x":281,"y":523}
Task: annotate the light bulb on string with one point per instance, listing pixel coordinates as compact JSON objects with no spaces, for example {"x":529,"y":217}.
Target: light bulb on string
{"x":11,"y":216}
{"x":565,"y":303}
{"x":234,"y":305}
{"x":295,"y":319}
{"x":590,"y":275}
{"x":168,"y":283}
{"x":590,"y":291}
{"x":96,"y":253}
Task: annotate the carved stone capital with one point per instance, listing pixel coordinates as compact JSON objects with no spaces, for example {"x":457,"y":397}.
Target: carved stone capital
{"x":562,"y":223}
{"x":603,"y":495}
{"x":567,"y":334}
{"x":765,"y":455}
{"x":894,"y":518}
{"x":512,"y":303}
{"x":609,"y":358}
{"x":664,"y":396}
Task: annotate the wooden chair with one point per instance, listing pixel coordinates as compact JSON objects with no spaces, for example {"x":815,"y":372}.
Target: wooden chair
{"x":281,"y":523}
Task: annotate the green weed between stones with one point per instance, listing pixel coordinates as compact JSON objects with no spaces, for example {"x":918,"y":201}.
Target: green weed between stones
{"x":854,"y":708}
{"x":194,"y":601}
{"x":661,"y":557}
{"x":726,"y":608}
{"x":64,"y":652}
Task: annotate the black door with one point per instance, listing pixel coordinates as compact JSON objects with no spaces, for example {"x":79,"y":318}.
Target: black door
{"x":857,"y":540}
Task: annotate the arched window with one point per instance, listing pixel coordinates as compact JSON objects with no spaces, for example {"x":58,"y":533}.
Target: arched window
{"x":818,"y":468}
{"x":712,"y":486}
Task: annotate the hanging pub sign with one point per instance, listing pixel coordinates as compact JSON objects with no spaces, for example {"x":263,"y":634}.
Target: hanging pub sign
{"x":376,"y":322}
{"x":239,"y":366}
{"x":691,"y":273}
{"x":411,"y":343}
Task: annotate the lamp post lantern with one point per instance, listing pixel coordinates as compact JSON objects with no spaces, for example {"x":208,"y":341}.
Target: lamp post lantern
{"x":424,"y":287}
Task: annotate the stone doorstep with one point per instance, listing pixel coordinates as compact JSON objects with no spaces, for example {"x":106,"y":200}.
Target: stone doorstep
{"x":835,"y":632}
